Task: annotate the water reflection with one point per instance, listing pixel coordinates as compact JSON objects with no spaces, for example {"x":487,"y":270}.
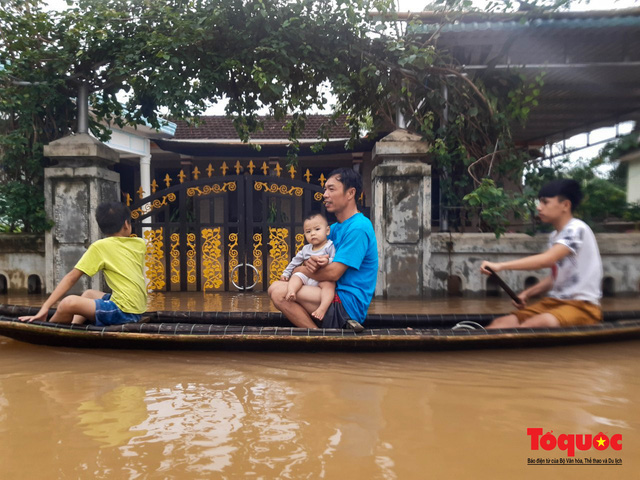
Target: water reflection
{"x":194,"y":424}
{"x":114,"y":418}
{"x":259,"y":302}
{"x":210,"y":302}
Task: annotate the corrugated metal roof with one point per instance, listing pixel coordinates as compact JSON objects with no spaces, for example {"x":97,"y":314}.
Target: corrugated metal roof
{"x":591,"y":63}
{"x":537,"y":23}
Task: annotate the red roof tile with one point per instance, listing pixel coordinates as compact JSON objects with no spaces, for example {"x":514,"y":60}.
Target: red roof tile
{"x":221,"y":128}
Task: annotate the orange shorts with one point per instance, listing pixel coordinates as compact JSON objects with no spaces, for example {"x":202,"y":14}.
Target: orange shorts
{"x":568,"y":312}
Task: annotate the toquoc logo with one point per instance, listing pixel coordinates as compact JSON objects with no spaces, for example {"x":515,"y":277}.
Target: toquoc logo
{"x":570,"y":442}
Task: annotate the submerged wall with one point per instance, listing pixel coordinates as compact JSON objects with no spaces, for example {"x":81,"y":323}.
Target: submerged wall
{"x":22,"y":263}
{"x":454,"y":262}
{"x":456,"y":258}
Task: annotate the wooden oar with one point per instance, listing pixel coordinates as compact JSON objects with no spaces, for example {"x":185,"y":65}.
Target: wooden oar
{"x":504,"y":286}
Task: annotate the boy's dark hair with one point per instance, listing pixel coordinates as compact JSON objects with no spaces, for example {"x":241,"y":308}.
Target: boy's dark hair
{"x":349,"y":179}
{"x":565,"y":189}
{"x":111,"y":216}
{"x":314,"y":214}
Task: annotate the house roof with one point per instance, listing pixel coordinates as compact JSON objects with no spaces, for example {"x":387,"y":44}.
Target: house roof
{"x":220,"y":128}
{"x":216,"y":136}
{"x":590,"y":61}
{"x":204,"y":148}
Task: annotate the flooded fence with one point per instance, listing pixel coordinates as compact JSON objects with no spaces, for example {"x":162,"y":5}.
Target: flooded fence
{"x":456,"y":257}
{"x":454,"y":262}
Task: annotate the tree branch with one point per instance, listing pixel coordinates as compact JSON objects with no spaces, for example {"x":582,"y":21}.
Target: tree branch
{"x":492,"y":155}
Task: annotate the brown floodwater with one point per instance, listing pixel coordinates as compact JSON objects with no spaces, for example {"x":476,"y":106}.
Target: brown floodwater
{"x":72,"y":413}
{"x":259,"y":302}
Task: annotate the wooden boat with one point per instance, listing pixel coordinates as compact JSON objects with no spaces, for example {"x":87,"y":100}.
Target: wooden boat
{"x":270,"y":331}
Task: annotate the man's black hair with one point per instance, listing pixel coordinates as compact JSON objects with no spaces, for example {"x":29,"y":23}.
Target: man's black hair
{"x":111,"y":216}
{"x":349,"y":179}
{"x":315,"y":214}
{"x":565,"y":189}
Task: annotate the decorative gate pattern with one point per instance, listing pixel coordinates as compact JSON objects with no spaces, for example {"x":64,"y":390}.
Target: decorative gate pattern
{"x":226,"y":232}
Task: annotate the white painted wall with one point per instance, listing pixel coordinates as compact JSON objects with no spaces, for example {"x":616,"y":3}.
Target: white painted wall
{"x":21,"y":255}
{"x":633,"y":181}
{"x":461,"y":254}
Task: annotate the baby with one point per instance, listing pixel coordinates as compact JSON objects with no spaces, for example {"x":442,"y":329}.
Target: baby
{"x":316,"y":230}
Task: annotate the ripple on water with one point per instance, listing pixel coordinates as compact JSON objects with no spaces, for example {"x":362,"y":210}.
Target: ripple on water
{"x":316,"y":415}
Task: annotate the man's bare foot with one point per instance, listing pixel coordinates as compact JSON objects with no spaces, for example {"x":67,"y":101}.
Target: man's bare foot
{"x":319,"y":314}
{"x":290,"y":296}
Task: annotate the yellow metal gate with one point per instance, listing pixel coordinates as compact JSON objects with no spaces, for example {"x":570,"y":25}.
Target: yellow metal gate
{"x":223,"y":233}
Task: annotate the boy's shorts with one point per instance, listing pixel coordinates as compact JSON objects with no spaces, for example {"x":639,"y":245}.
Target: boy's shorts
{"x":306,"y":280}
{"x":108,"y":313}
{"x":568,"y":312}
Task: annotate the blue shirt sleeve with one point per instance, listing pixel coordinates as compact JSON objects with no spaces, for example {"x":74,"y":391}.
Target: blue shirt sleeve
{"x":352,"y":248}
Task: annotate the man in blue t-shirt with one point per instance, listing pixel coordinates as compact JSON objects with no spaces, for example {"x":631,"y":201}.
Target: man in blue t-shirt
{"x":354,"y":267}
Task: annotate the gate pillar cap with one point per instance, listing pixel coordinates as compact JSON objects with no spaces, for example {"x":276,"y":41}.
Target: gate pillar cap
{"x":80,"y":150}
{"x":401,"y":144}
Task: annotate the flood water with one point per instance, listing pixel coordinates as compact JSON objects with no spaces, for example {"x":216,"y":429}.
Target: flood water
{"x":71,"y":413}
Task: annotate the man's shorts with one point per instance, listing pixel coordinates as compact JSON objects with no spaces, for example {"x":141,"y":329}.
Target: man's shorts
{"x":108,"y":313}
{"x":306,"y":280}
{"x":568,"y":312}
{"x":336,"y":316}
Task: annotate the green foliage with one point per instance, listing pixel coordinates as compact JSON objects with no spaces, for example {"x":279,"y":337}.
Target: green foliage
{"x":632,"y":214}
{"x":604,"y":194}
{"x":466,"y":116}
{"x":22,"y":207}
{"x":493,"y":203}
{"x":523,"y":98}
{"x":174,"y":56}
{"x":602,"y":201}
{"x":29,"y":118}
{"x":612,"y":152}
{"x":178,"y":57}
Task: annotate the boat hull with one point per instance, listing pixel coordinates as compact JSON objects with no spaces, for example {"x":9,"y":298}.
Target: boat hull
{"x":233,"y":331}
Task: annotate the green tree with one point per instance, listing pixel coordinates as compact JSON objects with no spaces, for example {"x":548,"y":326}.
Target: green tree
{"x":465,"y":116}
{"x":176,"y":56}
{"x":604,"y":194}
{"x":612,"y":152}
{"x":180,"y":56}
{"x":32,"y":113}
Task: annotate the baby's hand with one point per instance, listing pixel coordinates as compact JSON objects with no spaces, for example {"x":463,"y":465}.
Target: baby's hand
{"x":284,"y":278}
{"x":317,"y":261}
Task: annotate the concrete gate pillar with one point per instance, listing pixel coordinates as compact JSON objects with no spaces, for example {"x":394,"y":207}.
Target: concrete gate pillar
{"x":402,"y":214}
{"x":73,"y":188}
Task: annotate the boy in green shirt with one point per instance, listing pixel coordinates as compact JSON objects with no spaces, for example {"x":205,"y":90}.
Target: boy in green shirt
{"x":121,"y":258}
